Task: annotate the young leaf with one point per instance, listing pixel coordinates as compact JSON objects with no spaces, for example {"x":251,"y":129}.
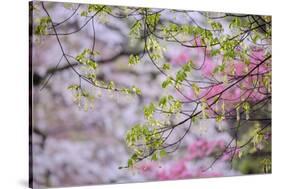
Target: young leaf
{"x":73,"y":87}
{"x":149,"y":110}
{"x":133,"y":59}
{"x":219,"y":118}
{"x":246,"y":108}
{"x":154,"y":157}
{"x":136,"y":90}
{"x":163,"y":153}
{"x":166,"y":66}
{"x":167,"y":82}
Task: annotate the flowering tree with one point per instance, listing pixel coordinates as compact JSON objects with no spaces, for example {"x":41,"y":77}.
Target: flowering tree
{"x":222,"y":72}
{"x":182,"y":168}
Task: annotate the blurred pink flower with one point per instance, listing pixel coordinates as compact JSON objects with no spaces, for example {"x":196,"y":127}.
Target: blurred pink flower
{"x":208,"y":67}
{"x":181,"y":59}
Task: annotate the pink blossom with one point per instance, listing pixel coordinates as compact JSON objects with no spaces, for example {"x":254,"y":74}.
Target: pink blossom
{"x":181,"y":59}
{"x":257,"y":55}
{"x":179,"y":169}
{"x":239,"y":68}
{"x":208,"y":67}
{"x":146,"y":167}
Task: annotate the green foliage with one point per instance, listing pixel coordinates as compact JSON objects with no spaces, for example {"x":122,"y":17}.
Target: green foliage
{"x":163,"y":153}
{"x":180,"y":76}
{"x":250,"y":165}
{"x":145,"y":140}
{"x":149,"y":110}
{"x":94,"y":9}
{"x":82,"y":97}
{"x":134,"y":59}
{"x":152,"y":20}
{"x":141,"y":134}
{"x":227,"y":47}
{"x":235,"y":23}
{"x":167,"y":82}
{"x":166,"y":66}
{"x":215,"y":52}
{"x":246,"y":108}
{"x":187,"y":67}
{"x":131,"y":90}
{"x":267,"y":81}
{"x":220,"y":118}
{"x":154,"y":157}
{"x":73,"y":87}
{"x":111,"y":85}
{"x":136,"y":90}
{"x":266,"y":165}
{"x":170,"y":104}
{"x":156,"y":51}
{"x":83,"y":58}
{"x":135,"y":29}
{"x":182,"y":73}
{"x":126,"y":91}
{"x":164,"y":100}
{"x":216,"y":26}
{"x":257,"y":136}
{"x":170,"y":29}
{"x":176,"y":106}
{"x":44,"y":23}
{"x":135,"y":134}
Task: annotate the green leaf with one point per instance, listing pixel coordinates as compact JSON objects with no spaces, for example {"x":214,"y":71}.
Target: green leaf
{"x":84,"y":13}
{"x":163,"y":101}
{"x":152,"y":20}
{"x":215,"y":52}
{"x":166,"y":66}
{"x":246,"y":108}
{"x":149,"y":110}
{"x":73,"y":87}
{"x":167,"y":82}
{"x":130,"y":163}
{"x":236,"y":22}
{"x":91,"y":64}
{"x":136,"y":90}
{"x":154,"y":157}
{"x":182,"y":73}
{"x":135,"y":30}
{"x":95,"y":8}
{"x":219,"y":118}
{"x":126,"y":91}
{"x":180,"y":76}
{"x":111,"y":85}
{"x":163,"y":153}
{"x":216,"y":26}
{"x":133,"y":59}
{"x":176,"y":106}
{"x":187,"y":67}
{"x":41,"y":28}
